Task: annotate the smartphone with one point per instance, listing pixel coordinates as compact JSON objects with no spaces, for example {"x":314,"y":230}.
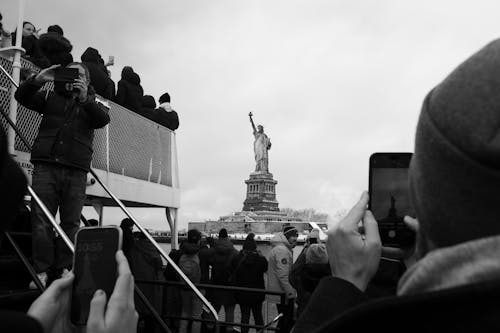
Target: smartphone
{"x":390,"y":197}
{"x":111,"y":60}
{"x":66,"y":75}
{"x":94,"y":266}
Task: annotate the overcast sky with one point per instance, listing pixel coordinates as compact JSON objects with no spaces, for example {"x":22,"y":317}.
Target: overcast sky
{"x":331,"y":81}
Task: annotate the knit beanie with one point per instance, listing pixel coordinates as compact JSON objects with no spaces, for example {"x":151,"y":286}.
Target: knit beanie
{"x":316,"y":254}
{"x":249,"y":244}
{"x":165,"y":98}
{"x":290,"y":231}
{"x":223,"y":233}
{"x":455,"y":171}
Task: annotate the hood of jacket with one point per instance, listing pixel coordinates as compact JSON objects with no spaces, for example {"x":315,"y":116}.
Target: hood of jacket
{"x":148,"y":101}
{"x":130,"y":76}
{"x":190,"y":248}
{"x":223,"y":246}
{"x":91,"y":55}
{"x":280,"y":239}
{"x":251,"y":257}
{"x":453,"y":266}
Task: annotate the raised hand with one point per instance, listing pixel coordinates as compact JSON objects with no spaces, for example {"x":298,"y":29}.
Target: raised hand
{"x":46,"y":75}
{"x":355,"y":256}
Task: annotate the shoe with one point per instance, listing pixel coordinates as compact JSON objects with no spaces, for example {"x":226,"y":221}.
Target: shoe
{"x":43,"y":279}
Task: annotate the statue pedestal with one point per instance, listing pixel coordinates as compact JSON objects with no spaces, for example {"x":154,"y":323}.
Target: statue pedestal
{"x":261,"y":193}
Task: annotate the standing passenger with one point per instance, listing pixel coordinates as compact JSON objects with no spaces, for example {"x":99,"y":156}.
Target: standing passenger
{"x":61,"y":156}
{"x":280,"y":265}
{"x":248,"y":271}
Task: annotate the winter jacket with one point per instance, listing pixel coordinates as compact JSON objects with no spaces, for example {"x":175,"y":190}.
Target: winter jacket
{"x":67,"y":128}
{"x":166,"y":116}
{"x":99,"y":77}
{"x":129,"y":92}
{"x":280,"y":264}
{"x":248,"y":271}
{"x":221,"y":256}
{"x":148,"y":107}
{"x":146,"y":264}
{"x":56,"y":48}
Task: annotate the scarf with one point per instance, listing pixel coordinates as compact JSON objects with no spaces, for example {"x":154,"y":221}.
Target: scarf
{"x":453,"y":266}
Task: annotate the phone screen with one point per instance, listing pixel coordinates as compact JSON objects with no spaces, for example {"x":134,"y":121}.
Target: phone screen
{"x":94,"y":266}
{"x":390,"y":197}
{"x":67,"y":75}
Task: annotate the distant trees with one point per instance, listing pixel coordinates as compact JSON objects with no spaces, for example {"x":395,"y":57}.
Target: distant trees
{"x":308,"y":214}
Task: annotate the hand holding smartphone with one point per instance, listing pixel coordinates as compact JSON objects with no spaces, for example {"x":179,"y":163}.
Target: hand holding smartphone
{"x":94,"y":267}
{"x":390,"y":197}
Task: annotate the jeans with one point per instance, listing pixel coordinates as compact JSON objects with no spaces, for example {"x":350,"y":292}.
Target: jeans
{"x":257,"y":315}
{"x":62,"y":188}
{"x":191,"y":307}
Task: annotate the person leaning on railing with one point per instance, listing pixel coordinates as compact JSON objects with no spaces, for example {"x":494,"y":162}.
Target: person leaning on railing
{"x":61,"y":156}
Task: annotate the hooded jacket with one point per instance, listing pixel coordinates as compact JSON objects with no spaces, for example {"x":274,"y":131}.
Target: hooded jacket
{"x":166,"y":116}
{"x":129,"y":92}
{"x":248,"y":271}
{"x":280,"y":265}
{"x":221,"y":255}
{"x":99,"y":78}
{"x":148,"y":107}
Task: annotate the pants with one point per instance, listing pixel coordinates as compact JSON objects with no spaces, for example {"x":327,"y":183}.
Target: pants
{"x":62,"y":188}
{"x":245,"y":315}
{"x":191,"y":307}
{"x":286,"y":322}
{"x":229,"y":314}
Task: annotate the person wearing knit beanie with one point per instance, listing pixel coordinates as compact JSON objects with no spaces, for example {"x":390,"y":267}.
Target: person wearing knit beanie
{"x":316,"y":254}
{"x":455,"y":189}
{"x":249,"y":244}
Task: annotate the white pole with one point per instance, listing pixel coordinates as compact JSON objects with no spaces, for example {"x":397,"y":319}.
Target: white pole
{"x":16,"y":69}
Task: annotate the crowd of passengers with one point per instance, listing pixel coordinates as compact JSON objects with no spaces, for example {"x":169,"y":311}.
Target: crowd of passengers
{"x":53,"y":48}
{"x":448,"y":282}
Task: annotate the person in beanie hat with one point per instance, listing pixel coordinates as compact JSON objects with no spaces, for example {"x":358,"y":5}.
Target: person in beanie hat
{"x":220,"y":258}
{"x":280,"y":264}
{"x":165,"y":115}
{"x":248,"y":268}
{"x":454,"y":185}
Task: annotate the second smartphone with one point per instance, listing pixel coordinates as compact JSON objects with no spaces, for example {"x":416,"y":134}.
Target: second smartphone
{"x":94,"y":267}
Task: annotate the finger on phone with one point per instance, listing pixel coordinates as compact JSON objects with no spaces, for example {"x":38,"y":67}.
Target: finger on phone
{"x":54,"y":66}
{"x":97,"y":308}
{"x":393,"y":252}
{"x":371,"y":227}
{"x":411,"y":223}
{"x":357,"y":212}
{"x":124,"y":287}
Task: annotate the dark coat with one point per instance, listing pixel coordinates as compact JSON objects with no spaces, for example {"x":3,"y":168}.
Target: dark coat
{"x":248,"y":271}
{"x":66,"y":132}
{"x":148,"y":107}
{"x":98,"y":74}
{"x":129,"y":92}
{"x":338,"y":306}
{"x":221,"y":256}
{"x":168,"y":119}
{"x":146,"y":264}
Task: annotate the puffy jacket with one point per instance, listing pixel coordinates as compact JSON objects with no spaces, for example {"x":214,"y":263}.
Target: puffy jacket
{"x":129,"y":92}
{"x":248,"y":271}
{"x":148,"y":107}
{"x":166,"y":116}
{"x":66,"y":132}
{"x":280,"y":264}
{"x":221,"y":256}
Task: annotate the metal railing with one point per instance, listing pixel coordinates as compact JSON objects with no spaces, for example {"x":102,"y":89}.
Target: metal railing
{"x":69,"y":243}
{"x":206,"y":286}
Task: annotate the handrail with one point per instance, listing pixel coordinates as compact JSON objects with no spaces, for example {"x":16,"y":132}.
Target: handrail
{"x":123,"y":208}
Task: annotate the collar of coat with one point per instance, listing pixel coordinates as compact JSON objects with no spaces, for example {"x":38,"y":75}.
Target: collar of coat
{"x":448,"y":267}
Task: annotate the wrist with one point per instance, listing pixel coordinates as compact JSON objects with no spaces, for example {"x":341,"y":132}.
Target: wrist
{"x":359,"y":282}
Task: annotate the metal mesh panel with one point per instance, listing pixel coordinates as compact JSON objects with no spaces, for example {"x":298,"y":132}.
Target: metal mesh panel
{"x":138,"y":147}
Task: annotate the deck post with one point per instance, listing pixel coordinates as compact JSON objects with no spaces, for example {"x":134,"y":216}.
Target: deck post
{"x":174,"y":240}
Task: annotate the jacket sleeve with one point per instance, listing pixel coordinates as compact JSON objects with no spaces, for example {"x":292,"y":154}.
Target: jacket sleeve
{"x":330,"y":299}
{"x":283,"y":272}
{"x":297,"y":267}
{"x":98,"y":114}
{"x":168,"y":119}
{"x":28,"y":95}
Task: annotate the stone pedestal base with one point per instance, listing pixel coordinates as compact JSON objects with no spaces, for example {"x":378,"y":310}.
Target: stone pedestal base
{"x":261,"y":193}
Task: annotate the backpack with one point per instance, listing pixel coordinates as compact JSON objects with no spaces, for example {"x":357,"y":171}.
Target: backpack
{"x":190,"y":265}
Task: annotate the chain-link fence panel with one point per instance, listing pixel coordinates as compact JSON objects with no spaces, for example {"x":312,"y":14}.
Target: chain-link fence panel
{"x":138,"y":147}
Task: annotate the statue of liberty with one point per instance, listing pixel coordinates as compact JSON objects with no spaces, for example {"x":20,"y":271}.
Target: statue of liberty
{"x":261,"y":145}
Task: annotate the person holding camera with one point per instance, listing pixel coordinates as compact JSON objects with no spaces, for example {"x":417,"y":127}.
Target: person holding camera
{"x":454,"y":184}
{"x":61,"y":155}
